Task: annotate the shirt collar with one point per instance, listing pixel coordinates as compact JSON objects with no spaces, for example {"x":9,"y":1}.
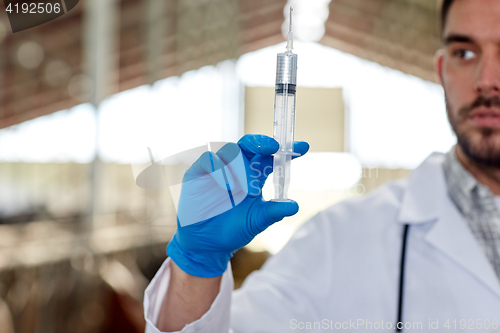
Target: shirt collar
{"x":439,"y":179}
{"x":425,"y":191}
{"x":461,"y":184}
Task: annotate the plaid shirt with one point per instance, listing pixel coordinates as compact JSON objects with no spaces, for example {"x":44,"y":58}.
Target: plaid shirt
{"x":477,"y":204}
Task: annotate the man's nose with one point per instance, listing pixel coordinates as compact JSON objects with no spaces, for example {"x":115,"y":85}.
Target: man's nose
{"x":488,"y":75}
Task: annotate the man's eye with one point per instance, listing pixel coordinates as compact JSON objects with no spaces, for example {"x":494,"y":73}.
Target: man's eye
{"x":464,"y":54}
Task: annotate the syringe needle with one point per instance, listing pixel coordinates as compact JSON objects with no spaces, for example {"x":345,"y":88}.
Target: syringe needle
{"x":289,"y":44}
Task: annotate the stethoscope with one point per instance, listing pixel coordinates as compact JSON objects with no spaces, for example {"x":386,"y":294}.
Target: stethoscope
{"x":399,"y":323}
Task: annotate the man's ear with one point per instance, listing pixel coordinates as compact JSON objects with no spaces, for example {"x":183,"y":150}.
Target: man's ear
{"x":438,"y":65}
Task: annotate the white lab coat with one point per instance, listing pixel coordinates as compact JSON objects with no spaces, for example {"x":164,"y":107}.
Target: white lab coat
{"x":342,"y":267}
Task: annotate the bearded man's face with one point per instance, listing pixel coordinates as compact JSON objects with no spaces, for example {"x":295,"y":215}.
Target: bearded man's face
{"x":469,"y":69}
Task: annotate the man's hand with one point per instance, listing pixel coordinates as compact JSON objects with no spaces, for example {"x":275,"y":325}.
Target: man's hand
{"x":220,"y":210}
{"x":204,"y":241}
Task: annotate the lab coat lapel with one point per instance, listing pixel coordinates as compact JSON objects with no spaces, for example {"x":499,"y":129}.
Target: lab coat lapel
{"x":427,"y":200}
{"x":451,"y":235}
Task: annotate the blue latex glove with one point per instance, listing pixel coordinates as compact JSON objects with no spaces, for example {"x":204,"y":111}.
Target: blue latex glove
{"x":204,"y":248}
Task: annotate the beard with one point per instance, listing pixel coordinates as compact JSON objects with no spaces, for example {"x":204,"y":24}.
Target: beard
{"x":480,"y":145}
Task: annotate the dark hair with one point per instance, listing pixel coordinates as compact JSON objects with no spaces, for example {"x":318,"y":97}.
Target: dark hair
{"x":445,"y":8}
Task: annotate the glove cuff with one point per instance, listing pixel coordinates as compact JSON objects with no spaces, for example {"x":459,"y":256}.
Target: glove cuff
{"x":206,"y":265}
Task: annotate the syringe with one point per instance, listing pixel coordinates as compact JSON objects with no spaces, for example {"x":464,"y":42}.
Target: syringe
{"x":284,"y":117}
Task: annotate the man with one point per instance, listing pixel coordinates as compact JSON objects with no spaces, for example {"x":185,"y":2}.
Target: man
{"x":418,"y":255}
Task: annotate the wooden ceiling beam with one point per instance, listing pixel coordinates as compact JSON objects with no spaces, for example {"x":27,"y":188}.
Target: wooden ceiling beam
{"x":401,"y":34}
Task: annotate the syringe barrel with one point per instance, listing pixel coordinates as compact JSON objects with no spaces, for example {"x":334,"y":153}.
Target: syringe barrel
{"x":283,"y":132}
{"x":284,"y":103}
{"x":284,"y":122}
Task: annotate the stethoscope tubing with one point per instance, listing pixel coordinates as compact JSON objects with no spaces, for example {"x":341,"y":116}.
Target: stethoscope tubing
{"x":399,"y":323}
